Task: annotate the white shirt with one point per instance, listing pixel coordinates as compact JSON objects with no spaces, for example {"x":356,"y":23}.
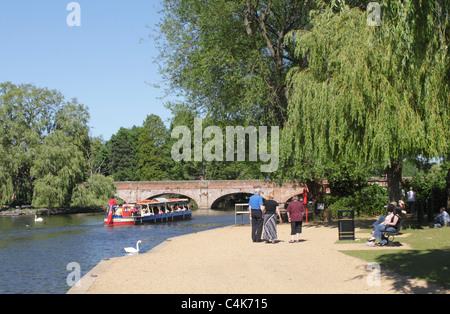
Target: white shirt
{"x":411,"y":196}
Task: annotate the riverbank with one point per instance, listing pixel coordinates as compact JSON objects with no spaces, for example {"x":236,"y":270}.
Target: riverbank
{"x":28,"y":211}
{"x":225,"y":261}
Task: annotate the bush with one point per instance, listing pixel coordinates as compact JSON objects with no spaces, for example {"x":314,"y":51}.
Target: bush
{"x":372,"y":199}
{"x":335,"y":203}
{"x":369,"y":201}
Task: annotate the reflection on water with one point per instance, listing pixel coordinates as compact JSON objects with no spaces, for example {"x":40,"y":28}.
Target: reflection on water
{"x":35,"y":255}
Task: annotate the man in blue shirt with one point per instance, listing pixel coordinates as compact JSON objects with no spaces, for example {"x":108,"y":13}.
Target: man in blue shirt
{"x":256,"y":208}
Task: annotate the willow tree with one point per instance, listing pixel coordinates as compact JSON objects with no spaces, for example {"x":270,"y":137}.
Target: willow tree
{"x":60,"y":161}
{"x":58,"y":168}
{"x":40,"y":134}
{"x":371,"y":93}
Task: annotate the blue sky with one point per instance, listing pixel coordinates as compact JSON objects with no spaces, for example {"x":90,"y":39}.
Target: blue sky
{"x":104,"y":62}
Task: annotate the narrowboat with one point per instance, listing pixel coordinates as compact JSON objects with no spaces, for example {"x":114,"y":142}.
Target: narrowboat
{"x":152,"y":211}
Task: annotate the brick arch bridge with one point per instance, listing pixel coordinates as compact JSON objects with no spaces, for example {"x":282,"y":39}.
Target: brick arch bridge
{"x":205,"y":192}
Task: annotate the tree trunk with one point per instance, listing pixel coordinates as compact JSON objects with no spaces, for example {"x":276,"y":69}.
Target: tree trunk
{"x":394,"y":179}
{"x":447,"y":179}
{"x":315,"y":190}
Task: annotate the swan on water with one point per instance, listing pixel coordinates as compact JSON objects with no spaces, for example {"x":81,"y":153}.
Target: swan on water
{"x":132,"y":249}
{"x":38,"y":219}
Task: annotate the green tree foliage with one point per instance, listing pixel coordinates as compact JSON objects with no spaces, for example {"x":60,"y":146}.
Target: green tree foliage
{"x":182,"y":170}
{"x":229,"y":58}
{"x":431,"y":185}
{"x":95,"y":192}
{"x":346,"y":179}
{"x":138,"y":153}
{"x":368,"y":201}
{"x":26,"y":115}
{"x":96,"y":157}
{"x":123,"y":148}
{"x":40,"y":129}
{"x":58,"y":167}
{"x":211,"y":170}
{"x":350,"y":189}
{"x":371,"y":94}
{"x":46,"y":150}
{"x":60,"y":162}
{"x":152,"y":149}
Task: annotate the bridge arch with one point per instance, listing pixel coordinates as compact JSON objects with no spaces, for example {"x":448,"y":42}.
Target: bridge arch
{"x":300,"y":197}
{"x":171,"y":195}
{"x":231,"y":199}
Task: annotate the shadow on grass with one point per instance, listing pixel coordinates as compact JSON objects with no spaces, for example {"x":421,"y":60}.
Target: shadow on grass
{"x":412,"y":263}
{"x":433,"y":266}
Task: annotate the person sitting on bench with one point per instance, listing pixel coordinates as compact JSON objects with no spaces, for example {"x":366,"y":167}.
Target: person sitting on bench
{"x":387,"y":225}
{"x":390,"y":212}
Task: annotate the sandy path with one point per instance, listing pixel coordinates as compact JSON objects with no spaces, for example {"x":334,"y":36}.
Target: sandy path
{"x":224,"y":261}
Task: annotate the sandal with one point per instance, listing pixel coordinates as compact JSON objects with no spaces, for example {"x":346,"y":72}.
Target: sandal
{"x":291,"y":241}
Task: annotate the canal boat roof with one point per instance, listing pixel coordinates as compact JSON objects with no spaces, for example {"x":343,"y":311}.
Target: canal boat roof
{"x":163,"y":201}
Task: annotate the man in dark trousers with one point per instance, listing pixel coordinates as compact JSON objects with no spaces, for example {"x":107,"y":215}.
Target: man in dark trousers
{"x":256,"y":208}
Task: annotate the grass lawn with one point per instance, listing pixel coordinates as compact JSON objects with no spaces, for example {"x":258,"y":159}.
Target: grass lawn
{"x":428,"y":258}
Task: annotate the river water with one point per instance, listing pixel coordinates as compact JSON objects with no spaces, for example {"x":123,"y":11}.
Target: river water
{"x":35,"y":256}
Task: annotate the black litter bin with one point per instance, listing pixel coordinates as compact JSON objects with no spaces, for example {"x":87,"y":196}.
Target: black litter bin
{"x":346,"y":222}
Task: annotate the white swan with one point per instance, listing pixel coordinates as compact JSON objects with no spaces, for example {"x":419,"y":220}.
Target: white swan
{"x":38,"y":219}
{"x":132,"y":249}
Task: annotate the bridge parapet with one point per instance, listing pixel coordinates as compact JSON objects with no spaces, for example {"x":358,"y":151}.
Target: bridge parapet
{"x":204,"y":192}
